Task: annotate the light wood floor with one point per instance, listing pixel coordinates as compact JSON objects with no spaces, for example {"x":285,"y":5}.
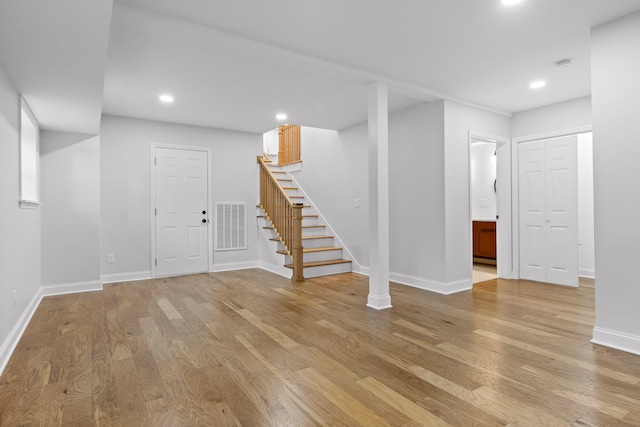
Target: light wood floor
{"x":251,"y":348}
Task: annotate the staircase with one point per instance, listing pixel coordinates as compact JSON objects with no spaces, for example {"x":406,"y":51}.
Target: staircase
{"x":321,"y":256}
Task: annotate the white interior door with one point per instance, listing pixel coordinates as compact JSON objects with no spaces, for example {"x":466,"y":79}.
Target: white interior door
{"x":562,"y":210}
{"x":182,"y":220}
{"x":548,"y":205}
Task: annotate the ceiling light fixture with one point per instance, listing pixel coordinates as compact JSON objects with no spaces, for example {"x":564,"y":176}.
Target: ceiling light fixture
{"x":510,"y":2}
{"x":167,"y":99}
{"x":281,"y":116}
{"x":538,"y":84}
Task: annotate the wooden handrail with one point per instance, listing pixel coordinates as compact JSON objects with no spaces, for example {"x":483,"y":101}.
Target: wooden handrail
{"x":289,"y":144}
{"x":284,"y":215}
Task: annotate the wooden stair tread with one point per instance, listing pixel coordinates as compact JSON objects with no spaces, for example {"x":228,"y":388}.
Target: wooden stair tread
{"x":310,"y":250}
{"x":268,"y":227}
{"x":276,"y":239}
{"x":321,"y":263}
{"x":290,"y":188}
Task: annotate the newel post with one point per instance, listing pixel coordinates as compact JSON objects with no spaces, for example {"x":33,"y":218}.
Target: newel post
{"x":296,"y":251}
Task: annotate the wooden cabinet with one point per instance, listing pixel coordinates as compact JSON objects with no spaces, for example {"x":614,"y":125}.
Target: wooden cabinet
{"x":484,"y":239}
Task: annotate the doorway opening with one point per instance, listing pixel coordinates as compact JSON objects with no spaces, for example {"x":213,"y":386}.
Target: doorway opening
{"x":484,"y":209}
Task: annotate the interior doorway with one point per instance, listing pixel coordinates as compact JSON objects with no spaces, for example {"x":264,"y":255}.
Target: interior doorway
{"x":490,"y":212}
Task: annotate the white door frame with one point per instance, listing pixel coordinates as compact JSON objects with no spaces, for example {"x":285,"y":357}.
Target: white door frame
{"x":515,"y":173}
{"x":505,"y":257}
{"x":152,"y":205}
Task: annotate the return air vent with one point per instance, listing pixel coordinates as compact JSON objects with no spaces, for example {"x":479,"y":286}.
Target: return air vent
{"x":231,"y":226}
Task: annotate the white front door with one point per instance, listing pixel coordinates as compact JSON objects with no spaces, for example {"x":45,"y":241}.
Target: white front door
{"x":548,"y":188}
{"x":182,"y":220}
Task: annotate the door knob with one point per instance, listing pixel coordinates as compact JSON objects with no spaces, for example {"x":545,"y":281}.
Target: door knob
{"x":204,"y":220}
{"x":204,"y":212}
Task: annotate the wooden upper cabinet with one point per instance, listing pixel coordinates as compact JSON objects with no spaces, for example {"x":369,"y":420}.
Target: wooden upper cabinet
{"x":484,"y":239}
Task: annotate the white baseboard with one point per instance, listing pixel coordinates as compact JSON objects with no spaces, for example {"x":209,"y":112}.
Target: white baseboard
{"x":71,"y":288}
{"x":618,"y":340}
{"x":359,"y":269}
{"x":379,"y":302}
{"x":445,"y":288}
{"x":276,"y":269}
{"x":125,"y":277}
{"x":591,"y":274}
{"x":10,"y":343}
{"x":234,"y":266}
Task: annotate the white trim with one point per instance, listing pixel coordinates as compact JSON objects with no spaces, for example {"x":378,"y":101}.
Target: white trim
{"x":152,"y":199}
{"x":554,"y":134}
{"x":125,"y":277}
{"x":445,"y":288}
{"x":588,"y":273}
{"x":276,"y":269}
{"x":9,"y":345}
{"x":28,"y":204}
{"x":234,"y":266}
{"x":379,"y":302}
{"x":618,"y":340}
{"x":70,"y":288}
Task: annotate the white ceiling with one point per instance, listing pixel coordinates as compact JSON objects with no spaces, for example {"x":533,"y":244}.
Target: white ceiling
{"x":235,"y":64}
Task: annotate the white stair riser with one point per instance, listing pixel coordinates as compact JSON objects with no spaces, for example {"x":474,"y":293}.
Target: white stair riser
{"x":327,"y":270}
{"x":314,"y":231}
{"x":310,"y":221}
{"x":323,"y":255}
{"x":317,"y":243}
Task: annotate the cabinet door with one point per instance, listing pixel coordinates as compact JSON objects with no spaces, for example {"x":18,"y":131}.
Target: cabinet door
{"x":484,"y":239}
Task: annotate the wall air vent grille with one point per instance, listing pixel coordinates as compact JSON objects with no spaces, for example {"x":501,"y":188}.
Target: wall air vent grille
{"x":231,"y":226}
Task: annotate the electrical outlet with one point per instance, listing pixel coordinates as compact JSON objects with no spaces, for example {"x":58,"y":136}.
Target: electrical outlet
{"x":356,"y":203}
{"x":14,"y":297}
{"x":111,"y":258}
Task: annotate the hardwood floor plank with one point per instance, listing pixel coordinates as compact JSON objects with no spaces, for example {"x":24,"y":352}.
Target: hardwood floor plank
{"x":420,"y":416}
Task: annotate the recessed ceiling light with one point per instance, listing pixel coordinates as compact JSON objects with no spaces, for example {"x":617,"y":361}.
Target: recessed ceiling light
{"x":281,"y":116}
{"x":510,"y":2}
{"x":538,"y":84}
{"x":167,"y":99}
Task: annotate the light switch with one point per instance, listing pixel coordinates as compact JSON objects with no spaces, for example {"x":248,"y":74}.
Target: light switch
{"x":483,"y":203}
{"x":356,"y":203}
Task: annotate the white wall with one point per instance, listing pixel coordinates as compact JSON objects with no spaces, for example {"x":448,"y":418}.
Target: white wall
{"x":335,"y":173}
{"x":459,"y":120}
{"x":615,"y":67}
{"x":70,"y":167}
{"x":483,"y":175}
{"x":416,"y":195}
{"x":125,"y":188}
{"x":586,"y":249}
{"x":271,"y":143}
{"x":564,"y":115}
{"x":19,"y":228}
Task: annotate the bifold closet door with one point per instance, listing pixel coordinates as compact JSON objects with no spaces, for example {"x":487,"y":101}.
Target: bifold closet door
{"x":548,"y":205}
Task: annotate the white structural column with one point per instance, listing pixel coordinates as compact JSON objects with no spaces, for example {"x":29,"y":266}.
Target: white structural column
{"x":379,"y":297}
